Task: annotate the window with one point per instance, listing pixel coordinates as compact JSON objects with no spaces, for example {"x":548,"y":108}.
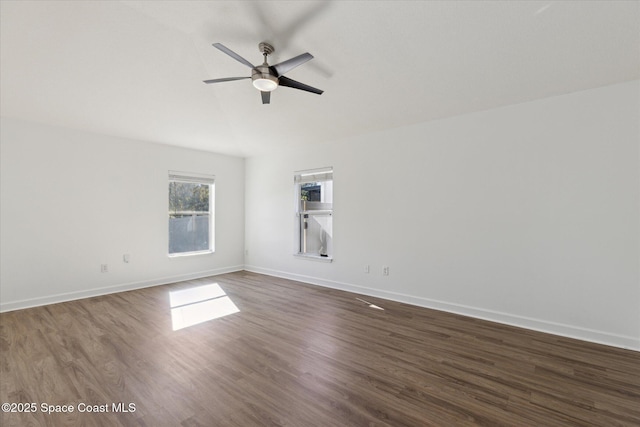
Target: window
{"x":191,"y":203}
{"x":314,"y":213}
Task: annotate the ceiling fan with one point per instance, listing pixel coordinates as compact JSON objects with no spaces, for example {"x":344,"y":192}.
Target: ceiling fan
{"x":267,"y":78}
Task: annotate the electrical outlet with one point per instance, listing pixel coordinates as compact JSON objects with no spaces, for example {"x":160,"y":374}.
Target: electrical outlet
{"x":104,"y":268}
{"x":385,"y":271}
{"x":366,"y":268}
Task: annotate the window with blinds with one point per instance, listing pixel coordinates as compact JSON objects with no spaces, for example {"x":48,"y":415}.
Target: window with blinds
{"x":191,"y":202}
{"x":314,"y":213}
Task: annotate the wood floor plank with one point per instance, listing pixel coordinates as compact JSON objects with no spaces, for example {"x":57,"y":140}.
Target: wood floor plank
{"x":301,"y":355}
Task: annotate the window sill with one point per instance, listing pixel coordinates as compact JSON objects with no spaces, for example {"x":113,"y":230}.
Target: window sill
{"x":184,"y":254}
{"x":313,"y":257}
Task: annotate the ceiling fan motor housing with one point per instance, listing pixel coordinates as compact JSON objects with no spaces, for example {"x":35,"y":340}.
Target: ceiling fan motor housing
{"x":263,"y":78}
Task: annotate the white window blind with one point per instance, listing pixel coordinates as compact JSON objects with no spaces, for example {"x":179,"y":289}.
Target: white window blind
{"x":196,"y":178}
{"x":317,"y":175}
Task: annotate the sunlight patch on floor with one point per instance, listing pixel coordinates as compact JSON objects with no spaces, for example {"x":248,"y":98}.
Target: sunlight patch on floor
{"x":369,"y":304}
{"x":200,"y":304}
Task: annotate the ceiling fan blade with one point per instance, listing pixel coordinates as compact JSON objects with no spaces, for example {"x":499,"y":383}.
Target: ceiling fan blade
{"x":292,"y":63}
{"x":232,"y":54}
{"x":266,"y":97}
{"x":285,"y":81}
{"x":225,"y":79}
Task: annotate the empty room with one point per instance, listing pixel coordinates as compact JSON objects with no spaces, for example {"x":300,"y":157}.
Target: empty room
{"x":320,"y":213}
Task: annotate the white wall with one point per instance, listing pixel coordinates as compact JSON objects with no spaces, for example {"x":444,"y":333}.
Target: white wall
{"x":527,"y":214}
{"x":71,"y":201}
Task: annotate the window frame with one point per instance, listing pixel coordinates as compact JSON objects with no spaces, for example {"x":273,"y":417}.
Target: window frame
{"x":193,"y":178}
{"x":303,"y":177}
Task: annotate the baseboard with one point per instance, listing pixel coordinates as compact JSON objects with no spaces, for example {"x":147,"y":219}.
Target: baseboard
{"x":569,"y":331}
{"x":70,"y":296}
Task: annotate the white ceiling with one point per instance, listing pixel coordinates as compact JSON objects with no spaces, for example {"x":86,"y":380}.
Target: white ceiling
{"x":135,"y":68}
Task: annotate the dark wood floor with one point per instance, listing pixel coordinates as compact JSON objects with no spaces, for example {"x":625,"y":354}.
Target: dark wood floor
{"x":300,"y":355}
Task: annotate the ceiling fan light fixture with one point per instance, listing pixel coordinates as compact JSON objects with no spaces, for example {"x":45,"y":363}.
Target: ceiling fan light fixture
{"x":263,"y":79}
{"x":265,"y":84}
